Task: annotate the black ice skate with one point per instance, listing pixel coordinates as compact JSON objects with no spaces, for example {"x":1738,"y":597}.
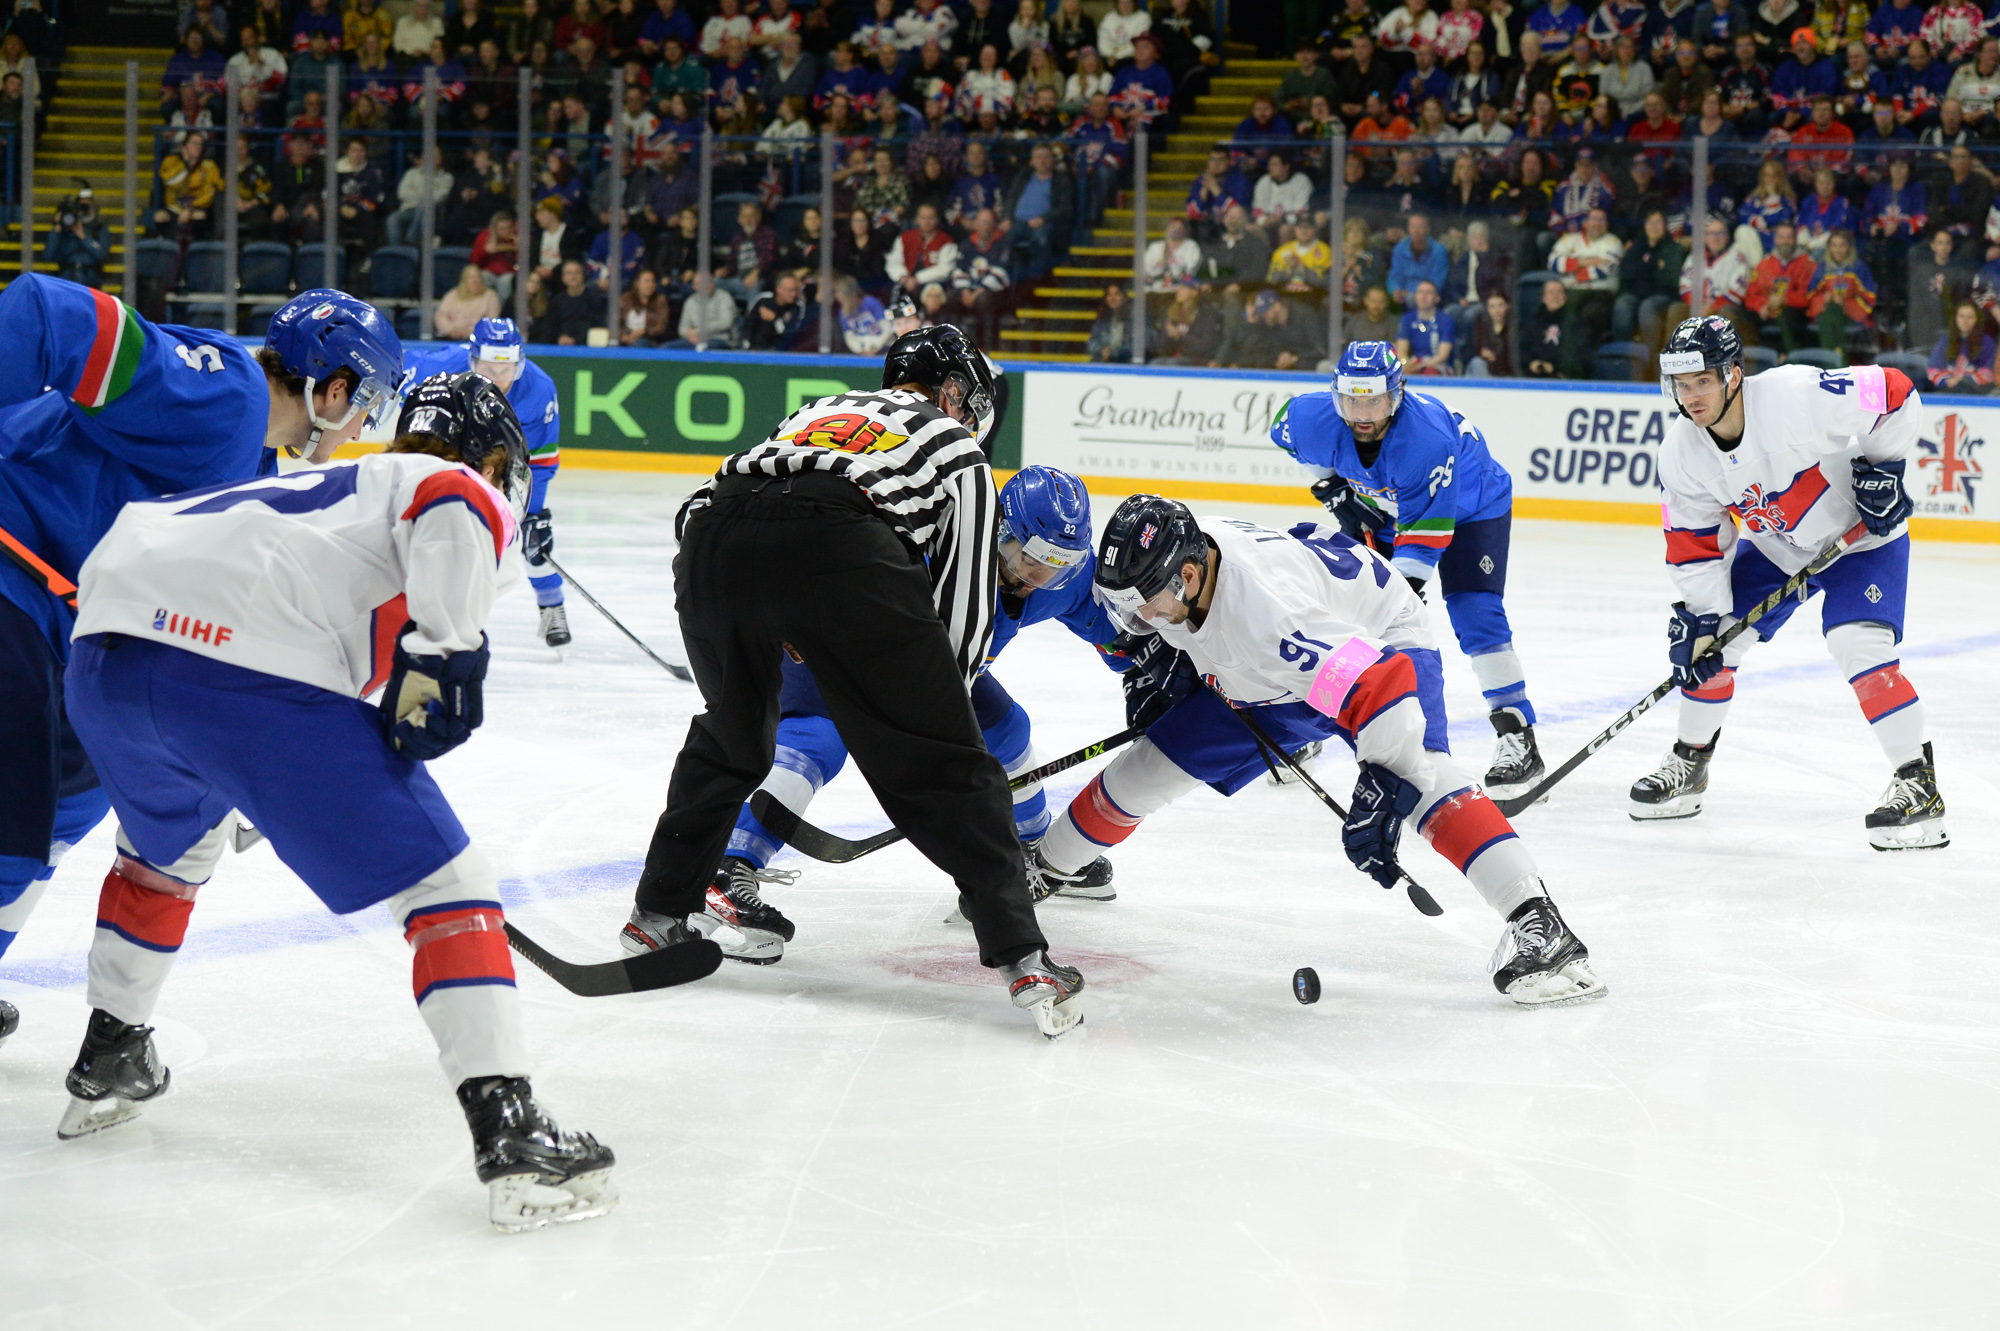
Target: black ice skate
{"x":535,"y":1173}
{"x":1282,"y":775}
{"x":1517,"y":762}
{"x":10,"y":1020}
{"x":1912,"y":812}
{"x":554,"y":628}
{"x":1540,"y":963}
{"x":117,"y":1063}
{"x":1675,"y":790}
{"x":732,"y":902}
{"x":1047,"y":990}
{"x":1090,"y":883}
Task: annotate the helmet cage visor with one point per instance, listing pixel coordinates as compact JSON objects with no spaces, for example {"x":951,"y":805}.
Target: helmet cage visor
{"x":1135,"y":612}
{"x":1676,"y":367}
{"x":1036,"y":561}
{"x":1365,"y":399}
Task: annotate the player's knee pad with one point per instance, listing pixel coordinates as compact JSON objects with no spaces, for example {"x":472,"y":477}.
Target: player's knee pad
{"x":1008,"y":738}
{"x":1140,"y":781}
{"x":1720,"y":688}
{"x":1479,"y":622}
{"x":142,"y":919}
{"x":1868,"y":657}
{"x":453,"y":923}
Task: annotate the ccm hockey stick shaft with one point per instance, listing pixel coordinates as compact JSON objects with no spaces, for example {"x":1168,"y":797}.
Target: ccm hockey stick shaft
{"x":1421,"y":899}
{"x":684,"y":962}
{"x":678,"y":672}
{"x":1794,"y":586}
{"x":813,"y":843}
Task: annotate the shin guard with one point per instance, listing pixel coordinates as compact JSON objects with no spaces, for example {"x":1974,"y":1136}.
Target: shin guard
{"x":462,"y":974}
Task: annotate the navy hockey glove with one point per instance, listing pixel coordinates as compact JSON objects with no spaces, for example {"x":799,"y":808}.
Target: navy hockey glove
{"x":1358,"y":518}
{"x":1879,"y":494}
{"x":1382,"y":800}
{"x":1160,"y":676}
{"x":432,"y":704}
{"x":538,"y":537}
{"x":1688,"y":637}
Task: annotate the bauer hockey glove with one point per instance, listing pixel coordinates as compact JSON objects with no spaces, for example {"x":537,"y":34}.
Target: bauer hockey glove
{"x":432,"y":704}
{"x":1160,"y":676}
{"x":1879,"y":494}
{"x":1382,"y":800}
{"x":1688,"y":638}
{"x":1361,"y":520}
{"x":538,"y":537}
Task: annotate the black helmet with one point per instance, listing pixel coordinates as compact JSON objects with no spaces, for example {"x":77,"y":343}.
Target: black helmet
{"x":472,"y":417}
{"x":1706,"y":342}
{"x":1144,"y":546}
{"x":937,"y":357}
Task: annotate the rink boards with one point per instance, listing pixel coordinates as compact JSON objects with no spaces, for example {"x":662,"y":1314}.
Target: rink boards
{"x":1582,"y":452}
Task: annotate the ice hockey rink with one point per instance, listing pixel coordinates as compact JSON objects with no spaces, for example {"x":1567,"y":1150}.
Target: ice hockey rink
{"x":1782,"y":1115}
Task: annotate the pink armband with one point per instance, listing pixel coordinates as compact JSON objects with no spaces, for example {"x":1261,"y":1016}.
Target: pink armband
{"x":1871,"y":387}
{"x":1344,"y":665}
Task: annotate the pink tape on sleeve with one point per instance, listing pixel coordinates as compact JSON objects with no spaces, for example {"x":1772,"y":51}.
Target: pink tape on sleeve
{"x":1336,"y":677}
{"x":1872,"y":389}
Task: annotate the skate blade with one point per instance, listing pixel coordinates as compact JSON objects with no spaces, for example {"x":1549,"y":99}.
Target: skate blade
{"x":1568,"y":986}
{"x":1105,"y":893}
{"x":1504,"y":791}
{"x":758,"y":947}
{"x":84,"y":1117}
{"x":957,"y":916}
{"x":1687,"y":806}
{"x":519,"y":1202}
{"x":1055,"y":1020}
{"x":1917,"y":836}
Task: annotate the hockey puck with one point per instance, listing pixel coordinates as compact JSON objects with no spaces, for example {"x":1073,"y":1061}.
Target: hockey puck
{"x":1305,"y":984}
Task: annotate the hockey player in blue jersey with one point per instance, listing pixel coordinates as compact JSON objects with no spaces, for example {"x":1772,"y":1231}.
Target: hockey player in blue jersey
{"x":1411,"y":478}
{"x":496,"y":353}
{"x":135,"y":410}
{"x":1045,"y":574}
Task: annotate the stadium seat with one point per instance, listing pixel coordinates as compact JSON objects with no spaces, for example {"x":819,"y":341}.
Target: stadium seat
{"x":790,"y":210}
{"x":259,"y":322}
{"x":392,"y":273}
{"x":447,"y":263}
{"x":410,"y":323}
{"x":309,"y":267}
{"x":1621,"y":362}
{"x":1823,"y":357}
{"x":156,"y":259}
{"x":264,"y":268}
{"x":722,"y":213}
{"x":1913,"y":363}
{"x":203,"y":267}
{"x":1758,"y":359}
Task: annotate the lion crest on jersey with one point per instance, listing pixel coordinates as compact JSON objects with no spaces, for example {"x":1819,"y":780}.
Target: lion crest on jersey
{"x":1761,"y":512}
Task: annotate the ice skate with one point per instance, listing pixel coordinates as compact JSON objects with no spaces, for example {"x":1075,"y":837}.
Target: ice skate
{"x":1911,"y":816}
{"x":1676,"y":788}
{"x":1282,"y":775}
{"x":554,"y":627}
{"x":1517,"y":761}
{"x":10,"y":1020}
{"x":535,"y":1173}
{"x":1090,"y":883}
{"x":117,"y":1063}
{"x":732,"y":902}
{"x":646,"y":932}
{"x":1540,"y":963}
{"x":1048,"y":990}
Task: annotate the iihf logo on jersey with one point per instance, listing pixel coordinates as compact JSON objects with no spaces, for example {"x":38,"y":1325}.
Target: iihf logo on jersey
{"x":1946,"y":461}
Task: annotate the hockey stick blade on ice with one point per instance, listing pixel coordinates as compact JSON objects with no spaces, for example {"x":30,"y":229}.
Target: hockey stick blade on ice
{"x":681,"y":964}
{"x":827,"y":848}
{"x":1419,"y":897}
{"x":678,"y":672}
{"x":1833,"y":550}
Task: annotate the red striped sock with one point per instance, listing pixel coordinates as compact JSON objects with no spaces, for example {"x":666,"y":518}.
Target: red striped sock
{"x":459,"y":945}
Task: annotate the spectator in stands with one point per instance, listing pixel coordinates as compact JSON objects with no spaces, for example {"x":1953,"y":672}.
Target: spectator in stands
{"x":1407,"y":27}
{"x":1486,"y":135}
{"x":1716,"y":26}
{"x":922,"y":255}
{"x":1891,"y":28}
{"x":257,"y":65}
{"x":77,"y":247}
{"x":573,"y":309}
{"x":1918,"y":87}
{"x":1959,"y":202}
{"x":1240,"y":255}
{"x":1800,"y":80}
{"x":676,"y":254}
{"x":465,"y":305}
{"x":1771,"y":204}
{"x":981,"y":278}
{"x":1097,"y":155}
{"x":415,"y":31}
{"x":1843,"y":295}
{"x":1824,"y":212}
{"x":1525,"y":199}
{"x":1142,"y":90}
{"x":1893,"y":216}
{"x":861,"y":252}
{"x":864,"y":324}
{"x":1111,"y":335}
{"x":1477,"y":271}
{"x":1649,"y":276}
{"x":1262,"y":125}
{"x":1423,"y":82}
{"x":1173,"y":261}
{"x":1627,"y":79}
{"x":1118,"y":31}
{"x":597,"y":259}
{"x":1307,"y":81}
{"x":190,"y":116}
{"x":1189,"y":333}
{"x":978,"y":186}
{"x":195,"y":64}
{"x":466,"y":29}
{"x":1269,"y":337}
{"x":1819,"y":142}
{"x":495,"y":248}
{"x":1038,"y":211}
{"x":298,"y":192}
{"x":1962,"y":361}
{"x":1366,"y":75}
{"x":1303,"y":263}
{"x":776,"y":318}
{"x":1279,"y":196}
{"x":316,"y":19}
{"x":1491,"y":340}
{"x":1584,"y":190}
{"x":1089,"y":78}
{"x":1425,"y":336}
{"x":1550,"y":336}
{"x":1954,"y":30}
{"x":552,"y":242}
{"x":1746,"y":89}
{"x":362,"y":194}
{"x":308,"y":73}
{"x":1416,"y":258}
{"x":1375,"y":322}
{"x":1071,"y":31}
{"x":1781,"y":286}
{"x":884,"y":195}
{"x":406,"y":223}
{"x":189,"y":182}
{"x":1380,"y":124}
{"x":1726,"y":272}
{"x":1587,"y":262}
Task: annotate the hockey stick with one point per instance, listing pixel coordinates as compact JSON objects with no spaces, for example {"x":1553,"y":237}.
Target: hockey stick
{"x":692,"y":960}
{"x":1793,"y":585}
{"x":678,"y":672}
{"x":1421,"y":899}
{"x":827,"y":848}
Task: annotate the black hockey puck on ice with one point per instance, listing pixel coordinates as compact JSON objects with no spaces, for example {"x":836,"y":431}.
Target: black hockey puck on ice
{"x":1305,"y":984}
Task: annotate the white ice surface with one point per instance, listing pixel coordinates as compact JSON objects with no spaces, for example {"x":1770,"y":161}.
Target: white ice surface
{"x":1782,"y":1116}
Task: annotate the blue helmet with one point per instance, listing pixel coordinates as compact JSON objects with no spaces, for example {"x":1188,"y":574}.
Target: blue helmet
{"x":1044,"y":526}
{"x":321,"y":331}
{"x":1369,"y":374}
{"x":496,"y":340}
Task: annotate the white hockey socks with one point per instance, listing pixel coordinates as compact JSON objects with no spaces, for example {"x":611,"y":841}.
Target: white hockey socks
{"x":1031,"y":807}
{"x":1867,"y":656}
{"x":462,"y":974}
{"x":142,"y":916}
{"x":1139,"y":782}
{"x":1468,"y":829}
{"x":1502,"y":680}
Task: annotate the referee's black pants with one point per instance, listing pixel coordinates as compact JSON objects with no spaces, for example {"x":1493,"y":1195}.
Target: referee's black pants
{"x":806,"y":561}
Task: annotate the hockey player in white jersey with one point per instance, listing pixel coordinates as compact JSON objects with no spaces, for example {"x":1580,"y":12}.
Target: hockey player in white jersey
{"x":1319,"y":637}
{"x":224,"y":644}
{"x":1760,"y":475}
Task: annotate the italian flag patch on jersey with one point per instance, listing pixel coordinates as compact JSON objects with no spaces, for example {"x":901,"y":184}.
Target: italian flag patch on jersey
{"x":114,"y":354}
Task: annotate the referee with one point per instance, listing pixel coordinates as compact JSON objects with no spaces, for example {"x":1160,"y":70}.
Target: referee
{"x":861,"y":538}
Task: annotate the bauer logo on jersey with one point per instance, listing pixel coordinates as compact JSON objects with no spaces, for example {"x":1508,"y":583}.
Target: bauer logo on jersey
{"x":850,"y":432}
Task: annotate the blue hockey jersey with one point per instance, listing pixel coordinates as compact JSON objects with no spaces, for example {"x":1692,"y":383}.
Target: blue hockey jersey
{"x":1433,"y":471}
{"x":533,"y":396}
{"x":1071,"y":603}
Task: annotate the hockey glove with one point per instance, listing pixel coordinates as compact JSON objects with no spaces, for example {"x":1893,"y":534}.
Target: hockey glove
{"x":1382,"y":800}
{"x":538,"y":537}
{"x":1160,"y":676}
{"x":1358,"y":518}
{"x":1879,"y":494}
{"x":1688,"y":637}
{"x":1417,"y":585}
{"x":432,"y":704}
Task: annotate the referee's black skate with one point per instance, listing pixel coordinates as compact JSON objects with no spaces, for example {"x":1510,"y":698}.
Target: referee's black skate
{"x":732,"y":901}
{"x":1675,"y":789}
{"x":1517,"y":760}
{"x":554,"y":626}
{"x":1912,"y":813}
{"x":118,"y":1063}
{"x":1048,"y":990}
{"x":10,"y":1020}
{"x":1540,"y":963}
{"x":535,"y":1173}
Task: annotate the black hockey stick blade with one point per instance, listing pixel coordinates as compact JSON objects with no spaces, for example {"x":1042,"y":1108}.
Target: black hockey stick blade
{"x":827,"y":848}
{"x":1792,"y":587}
{"x":1422,"y":900}
{"x":678,"y":672}
{"x":693,"y":960}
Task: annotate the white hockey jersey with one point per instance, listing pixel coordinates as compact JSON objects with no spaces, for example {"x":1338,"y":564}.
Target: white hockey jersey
{"x":1789,"y":483}
{"x":307,"y":576}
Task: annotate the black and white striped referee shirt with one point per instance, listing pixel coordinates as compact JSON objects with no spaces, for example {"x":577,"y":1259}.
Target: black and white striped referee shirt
{"x":928,"y":479}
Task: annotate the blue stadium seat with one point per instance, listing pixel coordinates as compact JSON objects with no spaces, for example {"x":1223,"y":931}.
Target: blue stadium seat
{"x":392,"y":273}
{"x":309,"y":267}
{"x":264,"y":268}
{"x":203,"y":268}
{"x":446,"y":264}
